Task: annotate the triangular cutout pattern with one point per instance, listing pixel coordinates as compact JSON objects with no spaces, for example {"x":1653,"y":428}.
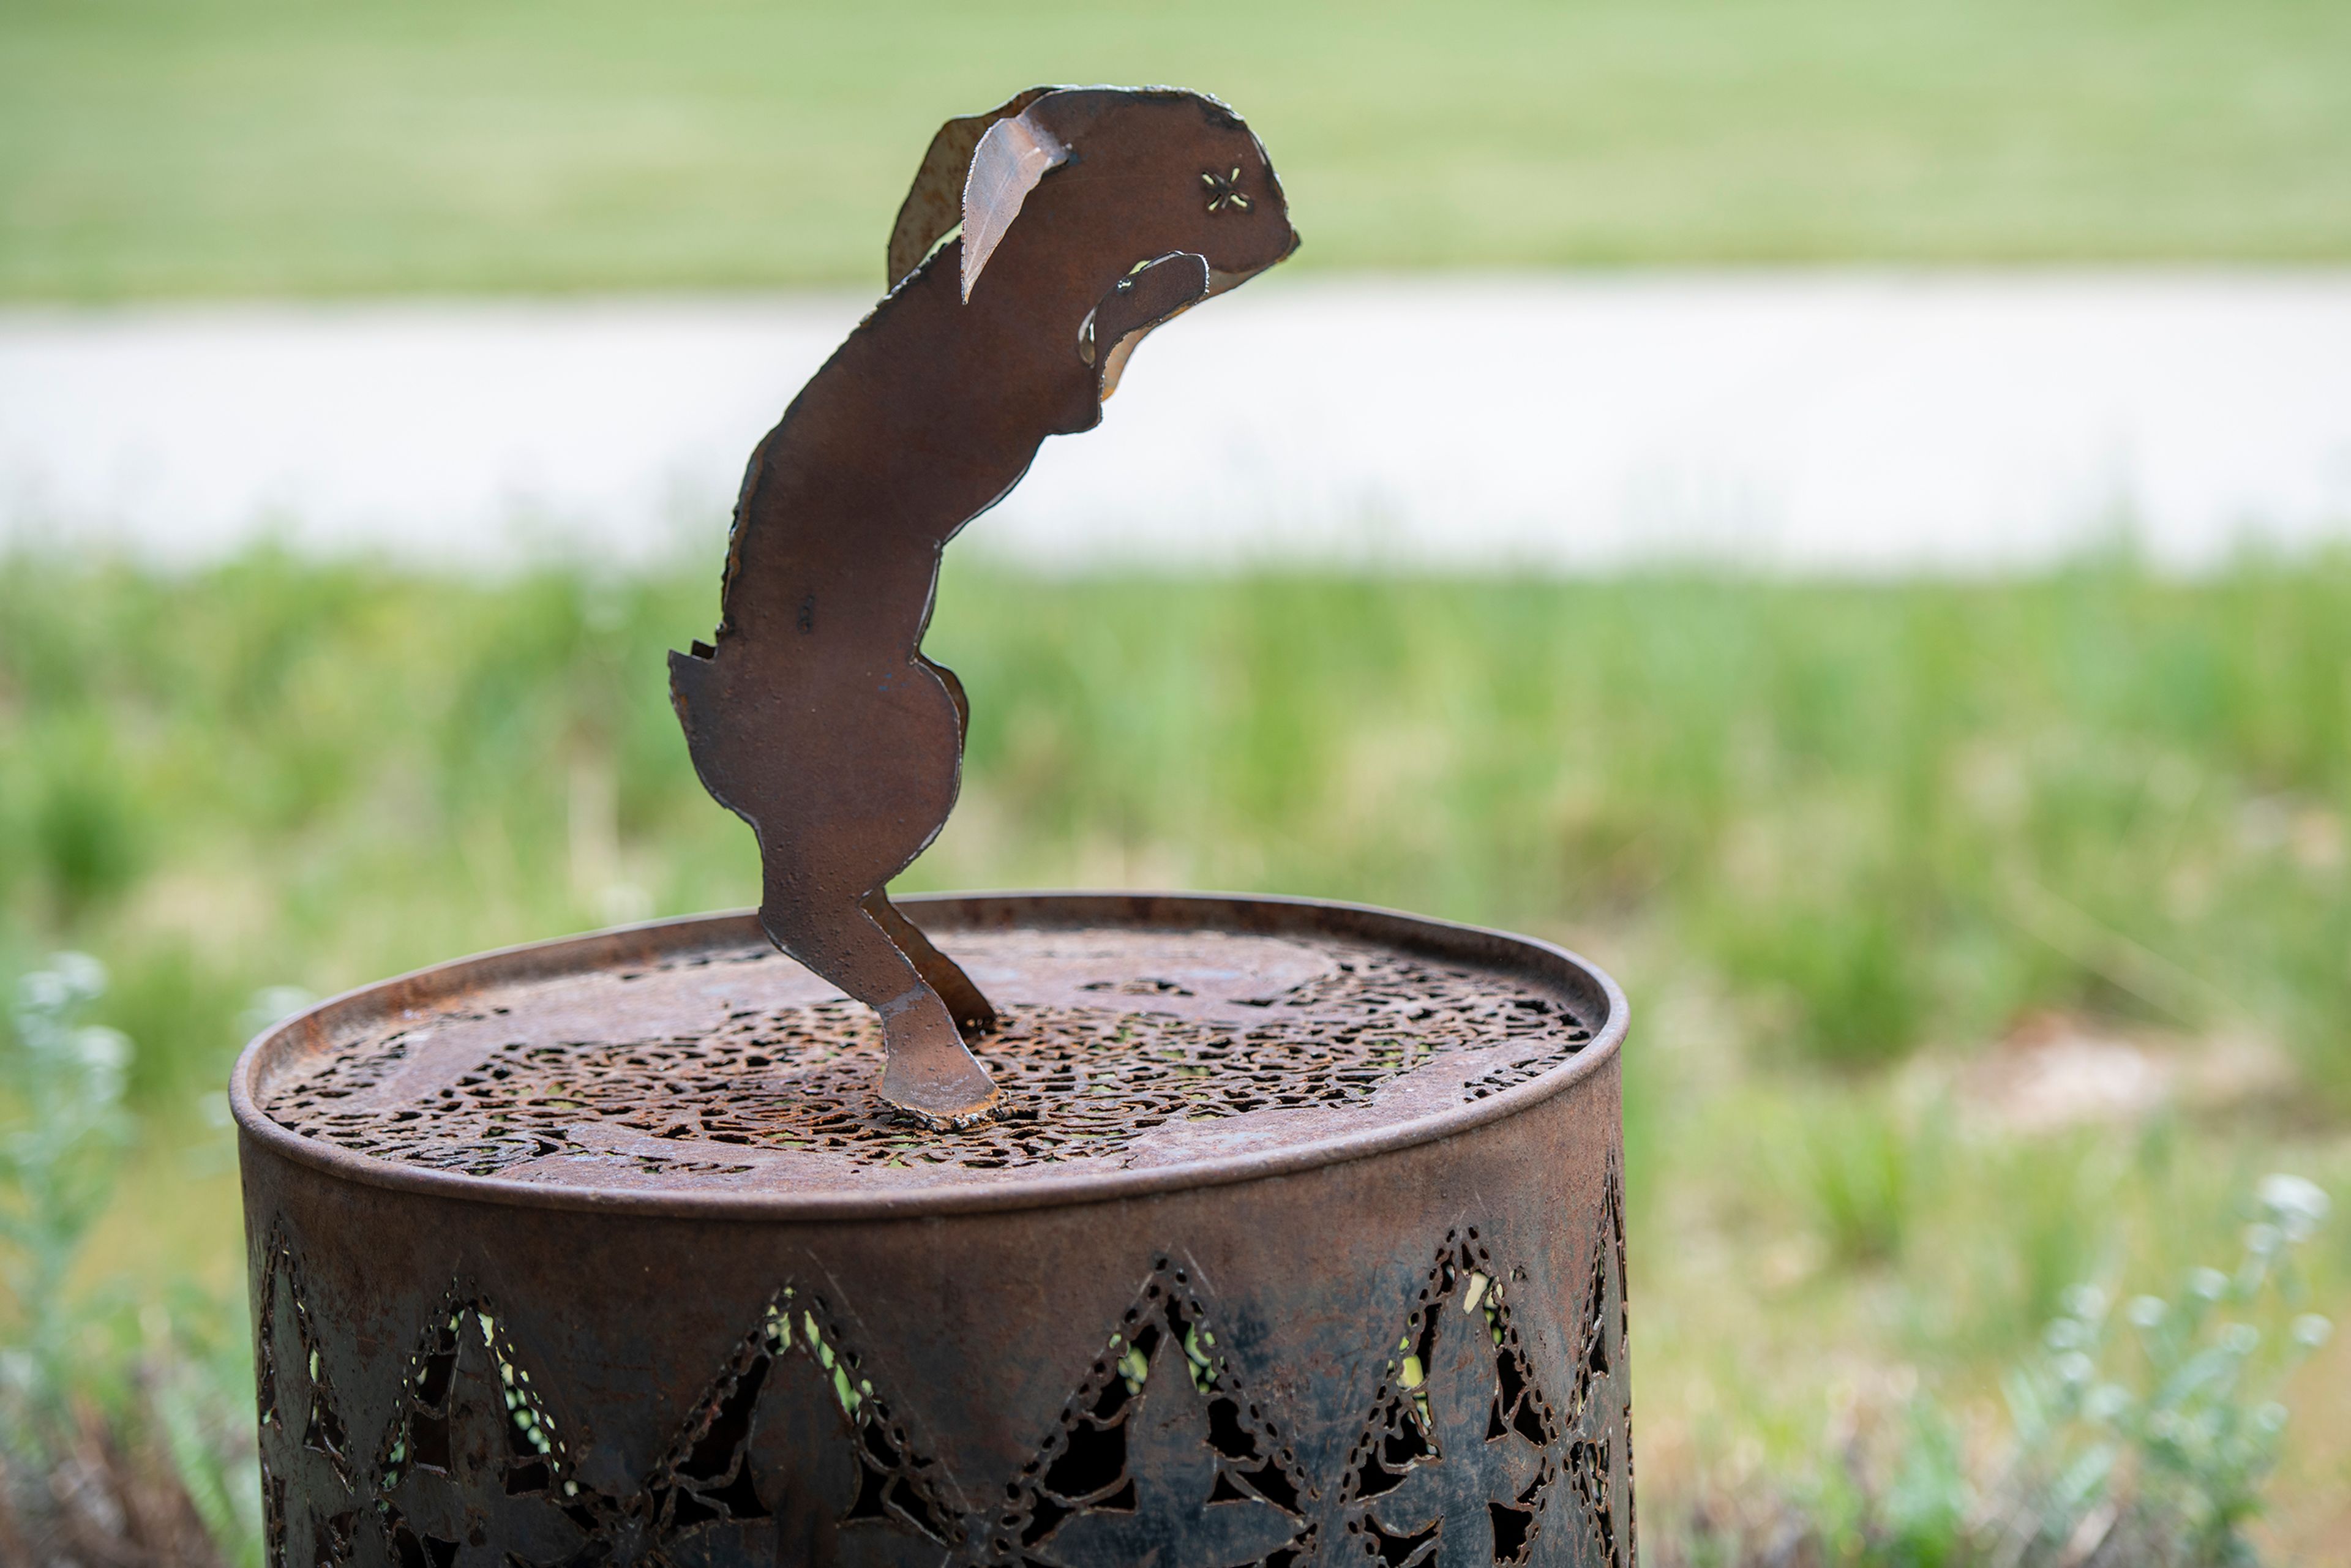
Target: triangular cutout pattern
{"x":310,"y":1501}
{"x":1162,"y":1455}
{"x":1456,"y":1460}
{"x":1162,"y":1452}
{"x":732,"y":1486}
{"x":471,"y":1421}
{"x":1601,"y":1411}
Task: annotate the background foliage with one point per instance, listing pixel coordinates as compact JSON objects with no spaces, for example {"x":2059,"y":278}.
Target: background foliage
{"x":1858,"y":851}
{"x":272,"y":146}
{"x":1882,"y":864}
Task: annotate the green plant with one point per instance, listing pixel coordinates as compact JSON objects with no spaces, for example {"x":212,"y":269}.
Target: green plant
{"x":61,"y":1081}
{"x":160,"y":1464}
{"x":2097,"y":796}
{"x":1847,"y":980}
{"x":2165,"y":1437}
{"x":1863,"y":1170}
{"x":1924,"y":1515}
{"x":196,"y":1376}
{"x":2146,"y":1449}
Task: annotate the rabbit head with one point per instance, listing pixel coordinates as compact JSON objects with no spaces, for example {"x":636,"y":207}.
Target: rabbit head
{"x":1089,"y":215}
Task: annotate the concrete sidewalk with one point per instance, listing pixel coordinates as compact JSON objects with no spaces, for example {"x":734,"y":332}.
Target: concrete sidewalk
{"x":1837,"y":421}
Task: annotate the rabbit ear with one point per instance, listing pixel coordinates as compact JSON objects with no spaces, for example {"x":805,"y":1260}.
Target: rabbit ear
{"x":1014,"y":154}
{"x":933,"y":202}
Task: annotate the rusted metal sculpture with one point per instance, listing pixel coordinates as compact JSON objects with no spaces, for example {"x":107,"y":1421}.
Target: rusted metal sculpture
{"x":1089,"y":215}
{"x":1306,"y":1245}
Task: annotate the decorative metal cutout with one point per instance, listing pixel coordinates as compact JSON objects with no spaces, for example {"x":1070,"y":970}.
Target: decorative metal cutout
{"x":1462,"y":1448}
{"x":474,"y":1468}
{"x":813,"y":713}
{"x":473,"y":1452}
{"x":1224,"y":190}
{"x":1163,"y":1452}
{"x":1162,"y":1456}
{"x":1632,"y":1536}
{"x":1601,"y":1413}
{"x":1527,"y":1068}
{"x":1085,"y":1081}
{"x":309,"y":1492}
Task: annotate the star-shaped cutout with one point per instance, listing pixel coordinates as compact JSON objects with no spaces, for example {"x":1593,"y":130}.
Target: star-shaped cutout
{"x":1224,"y":190}
{"x":1163,"y":1459}
{"x":1178,"y":1515}
{"x":1462,"y":1452}
{"x":477,"y":1474}
{"x":309,"y":1491}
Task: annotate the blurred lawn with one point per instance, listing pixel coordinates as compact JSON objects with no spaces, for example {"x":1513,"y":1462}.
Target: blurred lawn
{"x":242,"y":147}
{"x":1882,"y":816}
{"x":1841,"y":841}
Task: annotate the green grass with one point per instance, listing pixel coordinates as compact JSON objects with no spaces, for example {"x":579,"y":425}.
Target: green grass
{"x":1884,"y":817}
{"x":1838,"y":840}
{"x":242,"y":147}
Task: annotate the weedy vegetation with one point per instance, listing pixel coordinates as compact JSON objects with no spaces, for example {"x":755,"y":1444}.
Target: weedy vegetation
{"x":1871,"y":857}
{"x":256,"y":147}
{"x":125,"y":1432}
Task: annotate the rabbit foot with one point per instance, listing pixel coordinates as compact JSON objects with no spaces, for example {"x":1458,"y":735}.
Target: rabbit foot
{"x":927,"y":1071}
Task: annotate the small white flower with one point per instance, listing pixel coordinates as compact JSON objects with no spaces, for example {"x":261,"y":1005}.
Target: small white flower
{"x":84,"y":976}
{"x":2073,"y":1367}
{"x":2064,"y":1333}
{"x":2239,"y":1339}
{"x":2087,"y":1302}
{"x":2311,"y":1330}
{"x":273,"y":1005}
{"x":2210,"y":1283}
{"x":2284,"y":1195}
{"x":2105,"y":1402}
{"x":2263,"y":1238}
{"x":2271,"y":1417}
{"x":102,"y":1050}
{"x":43,"y":991}
{"x":2148,"y":1311}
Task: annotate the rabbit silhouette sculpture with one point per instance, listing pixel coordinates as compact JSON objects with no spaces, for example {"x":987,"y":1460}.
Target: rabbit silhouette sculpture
{"x":1087,"y":217}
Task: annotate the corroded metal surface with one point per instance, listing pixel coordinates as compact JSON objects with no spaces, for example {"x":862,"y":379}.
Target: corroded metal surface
{"x":739,"y":1067}
{"x":1087,"y":217}
{"x":1334,"y":1271}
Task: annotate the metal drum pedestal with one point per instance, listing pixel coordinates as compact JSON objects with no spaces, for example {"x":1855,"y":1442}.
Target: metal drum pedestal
{"x":1303,"y":1243}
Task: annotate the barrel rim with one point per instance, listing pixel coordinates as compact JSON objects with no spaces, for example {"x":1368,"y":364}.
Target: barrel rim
{"x":655,"y":940}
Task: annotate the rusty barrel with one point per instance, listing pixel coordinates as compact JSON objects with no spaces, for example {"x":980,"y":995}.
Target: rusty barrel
{"x":1304,"y":1242}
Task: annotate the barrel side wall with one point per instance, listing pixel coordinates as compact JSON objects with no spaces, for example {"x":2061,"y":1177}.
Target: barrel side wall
{"x":446,"y":1380}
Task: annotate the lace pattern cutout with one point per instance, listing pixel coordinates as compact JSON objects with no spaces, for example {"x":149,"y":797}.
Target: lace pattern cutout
{"x":470,"y":1423}
{"x":1084,"y":1082}
{"x":734,"y":1483}
{"x":474,"y":1451}
{"x":1602,"y":1408}
{"x":1162,"y":1444}
{"x":1460,"y":1442}
{"x":1161,"y":1454}
{"x":1624,"y":1344}
{"x":309,"y":1494}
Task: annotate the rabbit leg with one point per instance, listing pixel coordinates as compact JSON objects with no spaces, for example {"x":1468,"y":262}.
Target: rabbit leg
{"x":974,"y":1014}
{"x":927,"y":1070}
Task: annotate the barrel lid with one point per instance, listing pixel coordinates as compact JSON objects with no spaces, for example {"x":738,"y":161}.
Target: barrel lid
{"x":1148,"y":1041}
